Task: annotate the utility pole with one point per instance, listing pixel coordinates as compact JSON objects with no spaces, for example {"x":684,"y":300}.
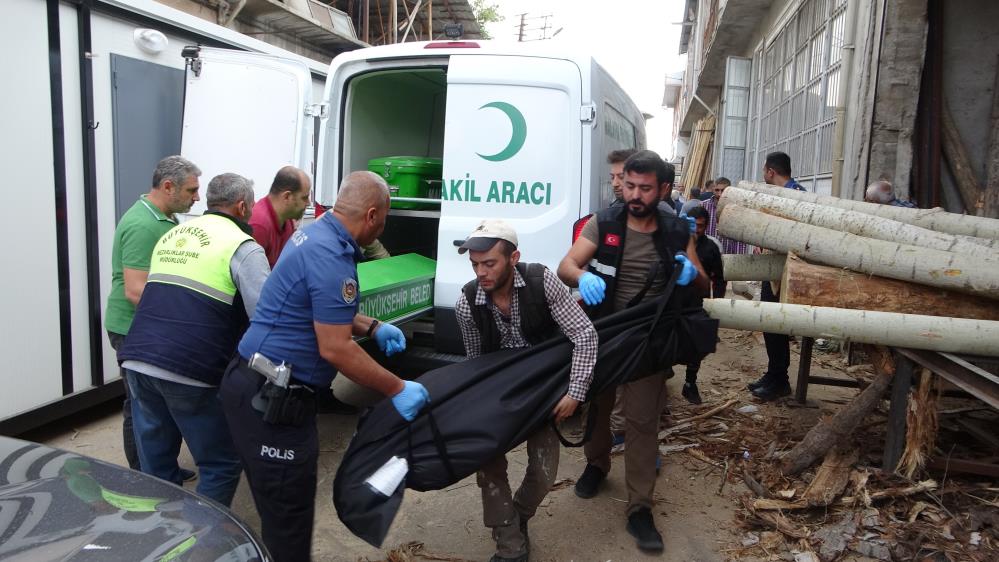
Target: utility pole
{"x":539,"y":33}
{"x":520,"y":32}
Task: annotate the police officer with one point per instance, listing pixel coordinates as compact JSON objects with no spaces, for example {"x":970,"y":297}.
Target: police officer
{"x":204,"y":279}
{"x":306,"y":318}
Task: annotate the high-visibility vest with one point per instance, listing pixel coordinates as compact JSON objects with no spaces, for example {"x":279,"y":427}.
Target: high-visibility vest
{"x":190,"y":317}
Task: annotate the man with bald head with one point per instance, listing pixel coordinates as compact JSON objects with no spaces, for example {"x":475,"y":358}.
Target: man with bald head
{"x":306,"y":318}
{"x":883,"y":193}
{"x":274,"y":215}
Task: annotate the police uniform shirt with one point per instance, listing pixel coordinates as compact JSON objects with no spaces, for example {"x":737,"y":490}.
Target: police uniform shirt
{"x":315,"y":280}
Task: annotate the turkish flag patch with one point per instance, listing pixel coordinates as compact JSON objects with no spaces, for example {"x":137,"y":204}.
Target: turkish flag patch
{"x":612,"y":240}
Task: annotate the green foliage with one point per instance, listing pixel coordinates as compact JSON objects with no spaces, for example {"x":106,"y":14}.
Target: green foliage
{"x":486,"y":13}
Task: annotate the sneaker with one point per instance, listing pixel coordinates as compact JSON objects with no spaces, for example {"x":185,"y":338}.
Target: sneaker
{"x":589,"y":482}
{"x":772,"y":391}
{"x":760,"y":382}
{"x":643,"y":528}
{"x":188,"y":475}
{"x":690,"y":393}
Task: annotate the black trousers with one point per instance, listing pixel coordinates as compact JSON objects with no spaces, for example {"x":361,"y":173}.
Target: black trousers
{"x":778,"y":345}
{"x":280,"y":463}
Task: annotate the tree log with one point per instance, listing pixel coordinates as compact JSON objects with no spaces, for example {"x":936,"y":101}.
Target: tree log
{"x":934,"y":219}
{"x":933,"y":333}
{"x":747,"y":267}
{"x":936,"y":268}
{"x":860,"y":224}
{"x":832,"y":432}
{"x":960,"y":164}
{"x":820,"y":285}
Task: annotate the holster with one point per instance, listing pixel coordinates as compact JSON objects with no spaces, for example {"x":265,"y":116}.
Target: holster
{"x":284,"y":406}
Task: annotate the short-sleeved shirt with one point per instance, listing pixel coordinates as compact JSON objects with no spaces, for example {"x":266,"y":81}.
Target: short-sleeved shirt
{"x":137,"y":233}
{"x":267,"y":232}
{"x":315,"y":280}
{"x":638,"y":256}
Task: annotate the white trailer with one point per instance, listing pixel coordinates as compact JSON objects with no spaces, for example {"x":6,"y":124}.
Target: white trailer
{"x":93,"y":97}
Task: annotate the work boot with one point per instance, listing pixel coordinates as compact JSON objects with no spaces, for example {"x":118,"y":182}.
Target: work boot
{"x":643,"y":528}
{"x":773,"y":391}
{"x":589,"y":482}
{"x":760,"y":382}
{"x":690,"y":392}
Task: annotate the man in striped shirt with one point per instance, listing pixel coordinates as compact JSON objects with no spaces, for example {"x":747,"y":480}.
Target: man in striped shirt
{"x":511,"y":305}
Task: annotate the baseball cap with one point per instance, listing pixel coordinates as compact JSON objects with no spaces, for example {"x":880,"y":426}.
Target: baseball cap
{"x":486,"y":234}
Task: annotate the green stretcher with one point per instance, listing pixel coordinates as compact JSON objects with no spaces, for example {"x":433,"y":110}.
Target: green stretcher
{"x":398,"y":288}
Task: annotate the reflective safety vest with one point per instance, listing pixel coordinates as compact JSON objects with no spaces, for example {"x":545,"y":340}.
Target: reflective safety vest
{"x":190,"y":317}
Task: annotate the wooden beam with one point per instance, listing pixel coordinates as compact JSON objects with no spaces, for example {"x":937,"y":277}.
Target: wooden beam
{"x":820,"y":285}
{"x":959,"y":466}
{"x":992,"y":158}
{"x":895,"y":433}
{"x":934,"y":219}
{"x":960,"y":164}
{"x":936,"y":268}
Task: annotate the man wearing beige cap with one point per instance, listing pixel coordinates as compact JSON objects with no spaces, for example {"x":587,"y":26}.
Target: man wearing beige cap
{"x":511,"y":305}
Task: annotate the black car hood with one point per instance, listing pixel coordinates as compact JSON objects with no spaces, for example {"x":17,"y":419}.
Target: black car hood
{"x":57,"y":505}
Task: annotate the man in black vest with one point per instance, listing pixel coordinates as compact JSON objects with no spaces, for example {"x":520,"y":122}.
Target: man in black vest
{"x":623,"y":256}
{"x":511,"y":305}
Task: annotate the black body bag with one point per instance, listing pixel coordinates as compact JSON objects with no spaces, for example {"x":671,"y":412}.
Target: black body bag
{"x":484,"y":407}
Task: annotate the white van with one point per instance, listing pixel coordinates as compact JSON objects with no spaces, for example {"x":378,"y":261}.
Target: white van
{"x":523,"y":133}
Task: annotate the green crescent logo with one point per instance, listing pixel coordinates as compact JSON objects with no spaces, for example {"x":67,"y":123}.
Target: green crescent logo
{"x":519,"y":125}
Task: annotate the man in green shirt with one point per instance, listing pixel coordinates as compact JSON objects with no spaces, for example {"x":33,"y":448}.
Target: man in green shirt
{"x":174,"y":190}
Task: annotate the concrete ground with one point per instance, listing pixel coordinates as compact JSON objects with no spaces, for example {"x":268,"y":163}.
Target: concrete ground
{"x":697,"y":523}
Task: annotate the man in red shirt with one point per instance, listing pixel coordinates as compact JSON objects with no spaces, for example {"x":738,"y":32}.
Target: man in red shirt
{"x":274,"y":216}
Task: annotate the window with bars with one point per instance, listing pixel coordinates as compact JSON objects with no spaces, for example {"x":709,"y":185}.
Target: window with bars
{"x":794,"y":92}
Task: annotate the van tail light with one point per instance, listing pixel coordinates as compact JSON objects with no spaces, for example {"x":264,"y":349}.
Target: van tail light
{"x":577,"y":227}
{"x":452,"y":45}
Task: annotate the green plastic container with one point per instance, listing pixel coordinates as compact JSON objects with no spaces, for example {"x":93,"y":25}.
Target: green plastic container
{"x":410,"y":176}
{"x":397,"y":286}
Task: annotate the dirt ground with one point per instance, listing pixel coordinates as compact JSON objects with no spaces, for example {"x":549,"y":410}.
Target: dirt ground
{"x":697,"y":523}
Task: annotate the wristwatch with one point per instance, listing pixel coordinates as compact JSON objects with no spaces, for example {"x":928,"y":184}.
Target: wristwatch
{"x":371,"y":328}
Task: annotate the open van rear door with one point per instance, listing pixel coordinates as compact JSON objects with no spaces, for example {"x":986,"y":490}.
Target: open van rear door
{"x":512,"y":151}
{"x":246,"y":113}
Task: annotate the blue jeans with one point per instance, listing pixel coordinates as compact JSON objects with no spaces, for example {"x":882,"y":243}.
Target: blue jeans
{"x":164,"y":413}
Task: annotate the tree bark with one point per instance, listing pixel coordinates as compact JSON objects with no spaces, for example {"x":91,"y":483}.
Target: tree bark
{"x":934,"y":219}
{"x":832,"y":432}
{"x":747,"y":267}
{"x":960,"y":164}
{"x":820,"y":285}
{"x":860,"y":224}
{"x":936,"y":268}
{"x":933,"y":333}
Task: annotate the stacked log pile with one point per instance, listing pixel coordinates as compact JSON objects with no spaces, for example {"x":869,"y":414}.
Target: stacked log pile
{"x":877,"y":274}
{"x":872,"y":274}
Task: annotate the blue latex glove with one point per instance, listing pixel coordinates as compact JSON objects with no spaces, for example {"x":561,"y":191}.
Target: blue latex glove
{"x":691,"y":222}
{"x":591,"y":288}
{"x":688,"y":273}
{"x":390,"y":339}
{"x":411,"y":399}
